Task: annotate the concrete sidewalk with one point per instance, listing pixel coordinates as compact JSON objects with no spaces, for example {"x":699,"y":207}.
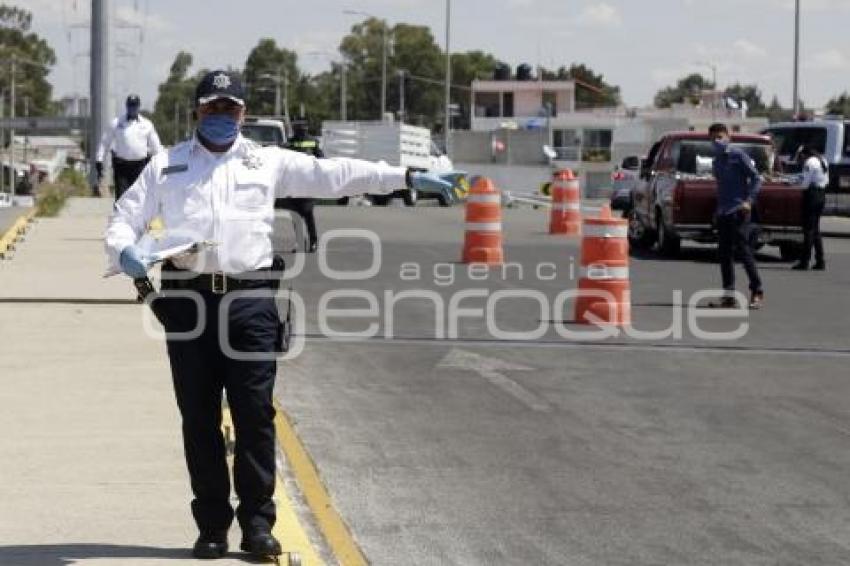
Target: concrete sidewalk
{"x":93,"y":469}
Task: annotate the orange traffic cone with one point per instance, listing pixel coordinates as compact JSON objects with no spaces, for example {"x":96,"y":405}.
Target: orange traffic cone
{"x":566,"y":204}
{"x":604,"y":292}
{"x":483,"y":241}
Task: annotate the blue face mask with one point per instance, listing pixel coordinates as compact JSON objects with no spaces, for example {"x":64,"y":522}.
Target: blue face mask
{"x":720,"y":145}
{"x":219,"y":129}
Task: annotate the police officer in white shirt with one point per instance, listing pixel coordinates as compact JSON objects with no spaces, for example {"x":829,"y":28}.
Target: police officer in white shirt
{"x":132,"y":140}
{"x":815,"y":180}
{"x":221,"y":187}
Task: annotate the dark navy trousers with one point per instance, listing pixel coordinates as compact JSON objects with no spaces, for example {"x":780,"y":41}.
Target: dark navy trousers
{"x":201,"y":371}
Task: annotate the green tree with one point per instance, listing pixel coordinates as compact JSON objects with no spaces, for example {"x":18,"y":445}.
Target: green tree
{"x":320,"y":96}
{"x":467,"y":67}
{"x":839,"y":104}
{"x":266,"y":64}
{"x":749,"y":93}
{"x":33,"y":58}
{"x":175,"y":100}
{"x":592,"y":90}
{"x":686,"y":89}
{"x":414,"y":50}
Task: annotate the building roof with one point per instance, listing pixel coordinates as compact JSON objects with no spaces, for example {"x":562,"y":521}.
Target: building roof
{"x":479,"y":85}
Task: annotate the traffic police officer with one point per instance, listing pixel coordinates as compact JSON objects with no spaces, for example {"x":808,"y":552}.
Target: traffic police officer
{"x":738,"y":184}
{"x":132,"y":140}
{"x":220,"y":187}
{"x":815,"y":180}
{"x":305,"y":143}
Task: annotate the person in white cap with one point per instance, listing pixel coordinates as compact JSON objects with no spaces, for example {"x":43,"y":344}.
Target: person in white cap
{"x":221,"y":187}
{"x":131,"y":140}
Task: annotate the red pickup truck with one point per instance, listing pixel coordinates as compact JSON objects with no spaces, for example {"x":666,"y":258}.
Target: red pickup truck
{"x":676,"y":194}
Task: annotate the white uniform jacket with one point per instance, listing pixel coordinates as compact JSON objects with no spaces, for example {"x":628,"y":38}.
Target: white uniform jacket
{"x":131,"y":140}
{"x":228,"y":198}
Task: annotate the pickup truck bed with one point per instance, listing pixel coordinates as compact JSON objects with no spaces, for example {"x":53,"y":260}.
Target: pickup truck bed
{"x":669,"y":205}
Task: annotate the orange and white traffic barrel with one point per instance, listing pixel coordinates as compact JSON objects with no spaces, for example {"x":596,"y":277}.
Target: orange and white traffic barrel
{"x":566,"y":204}
{"x":604,"y":291}
{"x":483,"y":241}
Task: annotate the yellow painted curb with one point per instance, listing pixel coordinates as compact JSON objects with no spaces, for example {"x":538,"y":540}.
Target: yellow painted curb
{"x":19,"y":227}
{"x":333,"y":528}
{"x":288,"y":529}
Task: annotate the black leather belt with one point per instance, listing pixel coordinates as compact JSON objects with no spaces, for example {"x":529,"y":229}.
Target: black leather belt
{"x":121,"y":161}
{"x":220,"y":283}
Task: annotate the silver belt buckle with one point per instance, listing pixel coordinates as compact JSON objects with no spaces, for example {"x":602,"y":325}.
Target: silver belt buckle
{"x":219,"y":283}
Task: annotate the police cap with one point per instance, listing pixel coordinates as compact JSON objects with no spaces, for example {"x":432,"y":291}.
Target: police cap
{"x":220,"y":84}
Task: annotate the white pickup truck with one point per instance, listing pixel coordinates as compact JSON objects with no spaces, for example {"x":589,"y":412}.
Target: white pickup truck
{"x":396,"y":143}
{"x":265,"y":130}
{"x":831,"y":138}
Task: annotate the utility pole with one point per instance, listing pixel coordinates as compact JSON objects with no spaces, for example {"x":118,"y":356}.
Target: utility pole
{"x":383,"y":57}
{"x":401,"y":95}
{"x":286,"y":97}
{"x":384,"y":73}
{"x":277,"y":93}
{"x":343,"y":95}
{"x":99,"y":84}
{"x":12,"y":129}
{"x":447,"y":123}
{"x":2,"y":140}
{"x":796,"y":58}
{"x":176,"y":121}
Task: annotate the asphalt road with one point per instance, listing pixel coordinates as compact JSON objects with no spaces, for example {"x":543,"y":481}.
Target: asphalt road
{"x":617,"y":450}
{"x":8,"y":215}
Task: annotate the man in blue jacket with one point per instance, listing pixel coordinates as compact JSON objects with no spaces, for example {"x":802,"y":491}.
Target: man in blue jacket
{"x":738,"y":184}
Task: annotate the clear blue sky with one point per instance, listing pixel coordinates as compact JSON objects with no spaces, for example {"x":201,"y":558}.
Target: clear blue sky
{"x":640,"y":45}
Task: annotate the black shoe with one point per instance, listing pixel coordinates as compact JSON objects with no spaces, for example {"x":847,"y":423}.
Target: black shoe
{"x":725,"y":303}
{"x":819,"y":266}
{"x":210,"y":545}
{"x":800,"y":266}
{"x":261,"y":544}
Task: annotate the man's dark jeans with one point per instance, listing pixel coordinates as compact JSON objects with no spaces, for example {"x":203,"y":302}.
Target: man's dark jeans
{"x":733,"y":232}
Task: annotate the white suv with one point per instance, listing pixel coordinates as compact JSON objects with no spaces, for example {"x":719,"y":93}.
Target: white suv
{"x":831,"y":138}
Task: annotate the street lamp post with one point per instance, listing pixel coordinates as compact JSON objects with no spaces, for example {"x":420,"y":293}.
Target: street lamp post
{"x":281,"y":88}
{"x":343,"y":92}
{"x":447,"y":123}
{"x":715,"y":100}
{"x":796,"y":93}
{"x":384,"y":42}
{"x":343,"y":88}
{"x":401,"y":95}
{"x":12,"y":129}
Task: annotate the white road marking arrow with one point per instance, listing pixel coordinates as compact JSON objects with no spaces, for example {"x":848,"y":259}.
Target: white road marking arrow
{"x":490,"y":369}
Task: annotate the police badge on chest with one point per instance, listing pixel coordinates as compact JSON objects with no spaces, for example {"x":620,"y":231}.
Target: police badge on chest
{"x":252,"y":161}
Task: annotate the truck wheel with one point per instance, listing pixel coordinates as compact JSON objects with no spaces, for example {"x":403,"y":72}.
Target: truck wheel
{"x":410,"y":197}
{"x":445,"y":199}
{"x":669,"y":244}
{"x":789,"y":251}
{"x":640,"y":237}
{"x":381,"y":200}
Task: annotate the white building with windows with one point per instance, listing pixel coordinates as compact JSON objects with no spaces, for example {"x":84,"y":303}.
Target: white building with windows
{"x":512,"y":121}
